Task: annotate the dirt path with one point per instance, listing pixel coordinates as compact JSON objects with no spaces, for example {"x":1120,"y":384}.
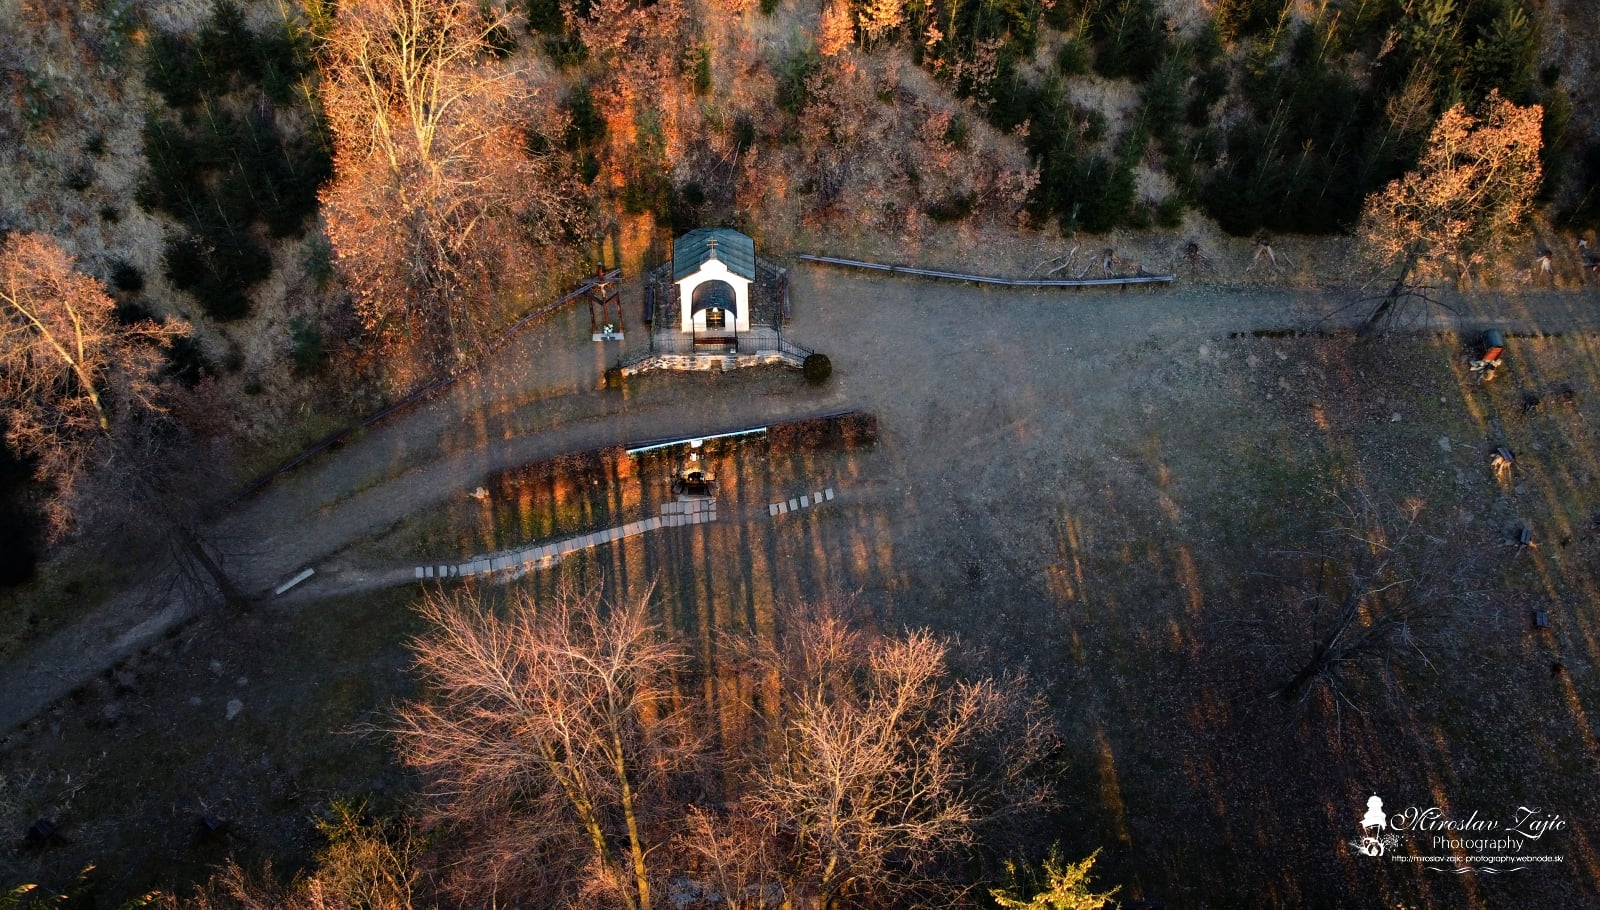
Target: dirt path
{"x":921,"y":354}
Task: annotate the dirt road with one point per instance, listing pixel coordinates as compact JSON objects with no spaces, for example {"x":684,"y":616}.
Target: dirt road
{"x":925,"y":356}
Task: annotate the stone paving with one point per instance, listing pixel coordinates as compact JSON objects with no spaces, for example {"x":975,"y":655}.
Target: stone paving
{"x":801,"y":502}
{"x":686,"y":510}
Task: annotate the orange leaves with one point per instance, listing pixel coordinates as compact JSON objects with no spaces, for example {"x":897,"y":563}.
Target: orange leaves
{"x":68,"y":369}
{"x":435,"y":195}
{"x":1474,"y":184}
{"x":836,"y":30}
{"x":878,"y":17}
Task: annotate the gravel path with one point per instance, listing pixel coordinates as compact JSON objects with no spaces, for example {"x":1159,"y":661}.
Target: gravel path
{"x":945,"y":366}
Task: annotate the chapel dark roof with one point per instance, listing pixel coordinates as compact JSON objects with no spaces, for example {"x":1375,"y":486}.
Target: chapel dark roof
{"x":733,"y":249}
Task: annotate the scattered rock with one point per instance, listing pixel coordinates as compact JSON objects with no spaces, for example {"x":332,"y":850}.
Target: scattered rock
{"x":194,"y":700}
{"x":1205,"y":352}
{"x":1252,"y":361}
{"x":1395,"y":417}
{"x":480,"y":494}
{"x":216,"y":667}
{"x":242,"y":681}
{"x":234,"y":707}
{"x":1444,"y":444}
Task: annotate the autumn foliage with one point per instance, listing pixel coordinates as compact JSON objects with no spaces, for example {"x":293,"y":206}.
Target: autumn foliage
{"x":70,"y":373}
{"x":441,"y":198}
{"x":571,"y":748}
{"x":1473,"y":187}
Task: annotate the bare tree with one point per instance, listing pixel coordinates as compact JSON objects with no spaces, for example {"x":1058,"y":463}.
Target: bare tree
{"x":68,"y":368}
{"x":557,"y":721}
{"x":882,"y":767}
{"x":1367,"y":600}
{"x":731,"y":858}
{"x":80,"y":393}
{"x":572,"y":768}
{"x":440,"y":194}
{"x":1472,"y":189}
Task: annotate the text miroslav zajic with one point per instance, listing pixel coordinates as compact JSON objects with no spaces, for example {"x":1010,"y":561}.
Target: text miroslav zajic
{"x":1528,"y":823}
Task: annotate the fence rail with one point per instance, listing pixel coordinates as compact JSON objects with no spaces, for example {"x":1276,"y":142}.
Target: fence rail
{"x":989,"y":279}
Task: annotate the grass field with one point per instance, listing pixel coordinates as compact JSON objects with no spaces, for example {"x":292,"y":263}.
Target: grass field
{"x":1109,"y":510}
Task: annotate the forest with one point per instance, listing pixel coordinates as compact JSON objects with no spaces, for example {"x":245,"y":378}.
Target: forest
{"x":229,"y":228}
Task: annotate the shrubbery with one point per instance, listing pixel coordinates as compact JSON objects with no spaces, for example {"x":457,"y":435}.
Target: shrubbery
{"x":1318,"y":141}
{"x":792,"y":77}
{"x":222,"y":174}
{"x":1315,"y":139}
{"x":817,"y":368}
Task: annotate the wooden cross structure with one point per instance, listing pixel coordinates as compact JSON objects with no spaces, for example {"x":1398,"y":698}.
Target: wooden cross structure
{"x":604,"y":292}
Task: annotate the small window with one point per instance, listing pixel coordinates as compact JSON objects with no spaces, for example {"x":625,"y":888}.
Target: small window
{"x":716,"y":318}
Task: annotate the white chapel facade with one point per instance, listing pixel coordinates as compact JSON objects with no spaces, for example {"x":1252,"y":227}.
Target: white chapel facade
{"x":713,"y":269}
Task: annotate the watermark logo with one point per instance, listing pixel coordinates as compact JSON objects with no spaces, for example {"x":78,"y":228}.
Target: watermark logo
{"x":1375,"y":839}
{"x":1443,"y":842}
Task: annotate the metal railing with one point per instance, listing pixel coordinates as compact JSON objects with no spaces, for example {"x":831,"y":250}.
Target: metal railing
{"x":988,"y":279}
{"x":755,"y":340}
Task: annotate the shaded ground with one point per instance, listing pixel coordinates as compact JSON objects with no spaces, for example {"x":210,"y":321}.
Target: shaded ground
{"x":1086,"y":485}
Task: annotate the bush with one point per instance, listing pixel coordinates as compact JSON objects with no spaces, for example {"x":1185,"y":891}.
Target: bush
{"x":744,"y":132}
{"x":187,"y":362}
{"x":699,"y":67}
{"x":319,"y":260}
{"x":567,"y":50}
{"x":817,"y":368}
{"x":792,"y":77}
{"x":953,"y":208}
{"x":79,"y":178}
{"x":586,"y":128}
{"x":544,"y":17}
{"x":958,"y":132}
{"x":1169,"y":214}
{"x":219,"y":264}
{"x":1073,"y":57}
{"x":125,"y":276}
{"x":310,"y":347}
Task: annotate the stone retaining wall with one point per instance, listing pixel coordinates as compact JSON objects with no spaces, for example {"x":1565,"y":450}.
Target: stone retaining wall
{"x":709,"y":362}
